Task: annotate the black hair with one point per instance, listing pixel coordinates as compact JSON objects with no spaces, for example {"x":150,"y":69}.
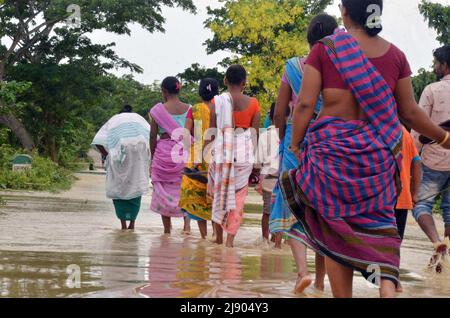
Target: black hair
{"x":321,"y":26}
{"x":126,"y":109}
{"x":442,"y":55}
{"x":209,"y":88}
{"x":272,"y":111}
{"x":361,"y":13}
{"x":172,"y":85}
{"x":236,"y":74}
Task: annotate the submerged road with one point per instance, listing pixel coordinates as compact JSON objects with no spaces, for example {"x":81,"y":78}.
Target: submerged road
{"x":69,"y":245}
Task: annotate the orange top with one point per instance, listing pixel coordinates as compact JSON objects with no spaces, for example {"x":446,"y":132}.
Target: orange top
{"x":243,"y":119}
{"x":410,"y":155}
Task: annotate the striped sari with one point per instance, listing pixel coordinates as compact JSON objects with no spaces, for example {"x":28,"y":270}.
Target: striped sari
{"x":281,"y":218}
{"x":346,"y":187}
{"x":230,"y":169}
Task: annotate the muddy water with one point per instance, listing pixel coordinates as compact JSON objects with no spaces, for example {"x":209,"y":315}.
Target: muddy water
{"x":46,"y":238}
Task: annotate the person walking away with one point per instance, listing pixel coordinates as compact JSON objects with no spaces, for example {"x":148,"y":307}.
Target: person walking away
{"x":435,"y":101}
{"x":124,"y":142}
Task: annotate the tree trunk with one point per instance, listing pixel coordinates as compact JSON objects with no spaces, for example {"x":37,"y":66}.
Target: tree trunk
{"x":51,"y":148}
{"x":19,"y":130}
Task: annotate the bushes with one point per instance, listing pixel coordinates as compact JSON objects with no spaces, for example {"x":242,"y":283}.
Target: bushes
{"x":45,"y":175}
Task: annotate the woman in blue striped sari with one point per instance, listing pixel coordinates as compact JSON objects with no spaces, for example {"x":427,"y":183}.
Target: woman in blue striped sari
{"x":281,"y":219}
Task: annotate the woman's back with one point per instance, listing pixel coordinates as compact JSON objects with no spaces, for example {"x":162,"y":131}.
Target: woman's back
{"x":244,"y":110}
{"x":178,"y":111}
{"x":338,"y":99}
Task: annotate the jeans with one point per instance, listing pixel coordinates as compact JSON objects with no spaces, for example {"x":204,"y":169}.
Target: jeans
{"x":433,"y":182}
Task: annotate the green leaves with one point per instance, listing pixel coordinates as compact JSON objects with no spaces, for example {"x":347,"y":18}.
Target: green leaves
{"x":195,"y":73}
{"x":44,"y":175}
{"x":438,"y":17}
{"x":262,"y":35}
{"x":422,"y":80}
{"x":9,"y":92}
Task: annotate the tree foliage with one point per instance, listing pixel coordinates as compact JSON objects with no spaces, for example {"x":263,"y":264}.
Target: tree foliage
{"x":262,"y":35}
{"x":195,"y":73}
{"x":438,"y":17}
{"x":422,"y":80}
{"x":37,"y":33}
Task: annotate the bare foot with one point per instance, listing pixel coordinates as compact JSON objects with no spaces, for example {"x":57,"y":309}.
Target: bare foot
{"x":319,"y":286}
{"x":436,"y":262}
{"x":399,"y":288}
{"x":303,"y":282}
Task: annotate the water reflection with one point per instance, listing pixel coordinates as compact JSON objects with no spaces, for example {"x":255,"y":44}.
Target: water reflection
{"x":41,"y":237}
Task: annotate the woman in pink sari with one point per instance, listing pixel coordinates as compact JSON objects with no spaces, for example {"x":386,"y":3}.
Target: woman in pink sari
{"x":168,"y":156}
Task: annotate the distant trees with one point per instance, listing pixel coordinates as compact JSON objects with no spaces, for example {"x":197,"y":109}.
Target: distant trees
{"x":262,"y":35}
{"x":438,"y":17}
{"x":35,"y":36}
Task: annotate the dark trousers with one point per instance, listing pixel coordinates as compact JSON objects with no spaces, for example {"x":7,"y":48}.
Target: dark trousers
{"x":402,"y":217}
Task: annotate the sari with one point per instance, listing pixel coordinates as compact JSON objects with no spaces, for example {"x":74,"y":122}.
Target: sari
{"x":345,"y":190}
{"x":194,"y":200}
{"x":281,"y":218}
{"x":166,"y":171}
{"x":126,"y":139}
{"x":231,"y":167}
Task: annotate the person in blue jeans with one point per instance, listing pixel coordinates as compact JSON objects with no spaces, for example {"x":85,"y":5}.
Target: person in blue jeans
{"x":435,"y":101}
{"x":434,"y":182}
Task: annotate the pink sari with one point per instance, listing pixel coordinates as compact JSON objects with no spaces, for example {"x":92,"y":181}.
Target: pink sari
{"x":167,"y":172}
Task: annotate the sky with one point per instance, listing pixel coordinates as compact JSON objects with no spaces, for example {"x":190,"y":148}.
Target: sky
{"x":170,"y":53}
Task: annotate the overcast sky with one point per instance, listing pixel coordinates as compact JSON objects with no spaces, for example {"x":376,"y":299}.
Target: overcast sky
{"x":169,"y":53}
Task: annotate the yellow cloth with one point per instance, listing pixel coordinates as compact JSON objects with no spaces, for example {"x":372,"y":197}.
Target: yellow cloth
{"x":194,"y":193}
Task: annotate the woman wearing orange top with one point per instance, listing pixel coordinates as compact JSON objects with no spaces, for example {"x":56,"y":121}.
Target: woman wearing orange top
{"x":237,"y":119}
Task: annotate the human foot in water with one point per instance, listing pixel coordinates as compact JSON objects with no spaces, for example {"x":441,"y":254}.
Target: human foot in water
{"x":320,"y":286}
{"x":440,"y":254}
{"x":303,"y":282}
{"x":399,"y":288}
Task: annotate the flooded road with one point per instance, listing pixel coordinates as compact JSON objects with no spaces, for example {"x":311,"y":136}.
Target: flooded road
{"x":48,"y":241}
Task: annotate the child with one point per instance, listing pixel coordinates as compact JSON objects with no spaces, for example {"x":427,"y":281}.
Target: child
{"x":411,"y":176}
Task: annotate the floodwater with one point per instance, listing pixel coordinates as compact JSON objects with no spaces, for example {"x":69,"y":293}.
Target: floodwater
{"x":69,"y":245}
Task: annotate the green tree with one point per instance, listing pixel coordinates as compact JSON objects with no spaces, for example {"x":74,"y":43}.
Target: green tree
{"x":438,"y":17}
{"x":56,"y":103}
{"x":195,"y":73}
{"x":124,"y":90}
{"x":262,"y":35}
{"x":422,"y":80}
{"x":9,"y":94}
{"x":39,"y":34}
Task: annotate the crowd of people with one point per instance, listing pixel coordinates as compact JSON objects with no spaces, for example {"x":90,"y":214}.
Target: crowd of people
{"x":336,"y":164}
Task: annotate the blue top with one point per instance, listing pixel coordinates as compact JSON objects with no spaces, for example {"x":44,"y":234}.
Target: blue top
{"x":180,"y":119}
